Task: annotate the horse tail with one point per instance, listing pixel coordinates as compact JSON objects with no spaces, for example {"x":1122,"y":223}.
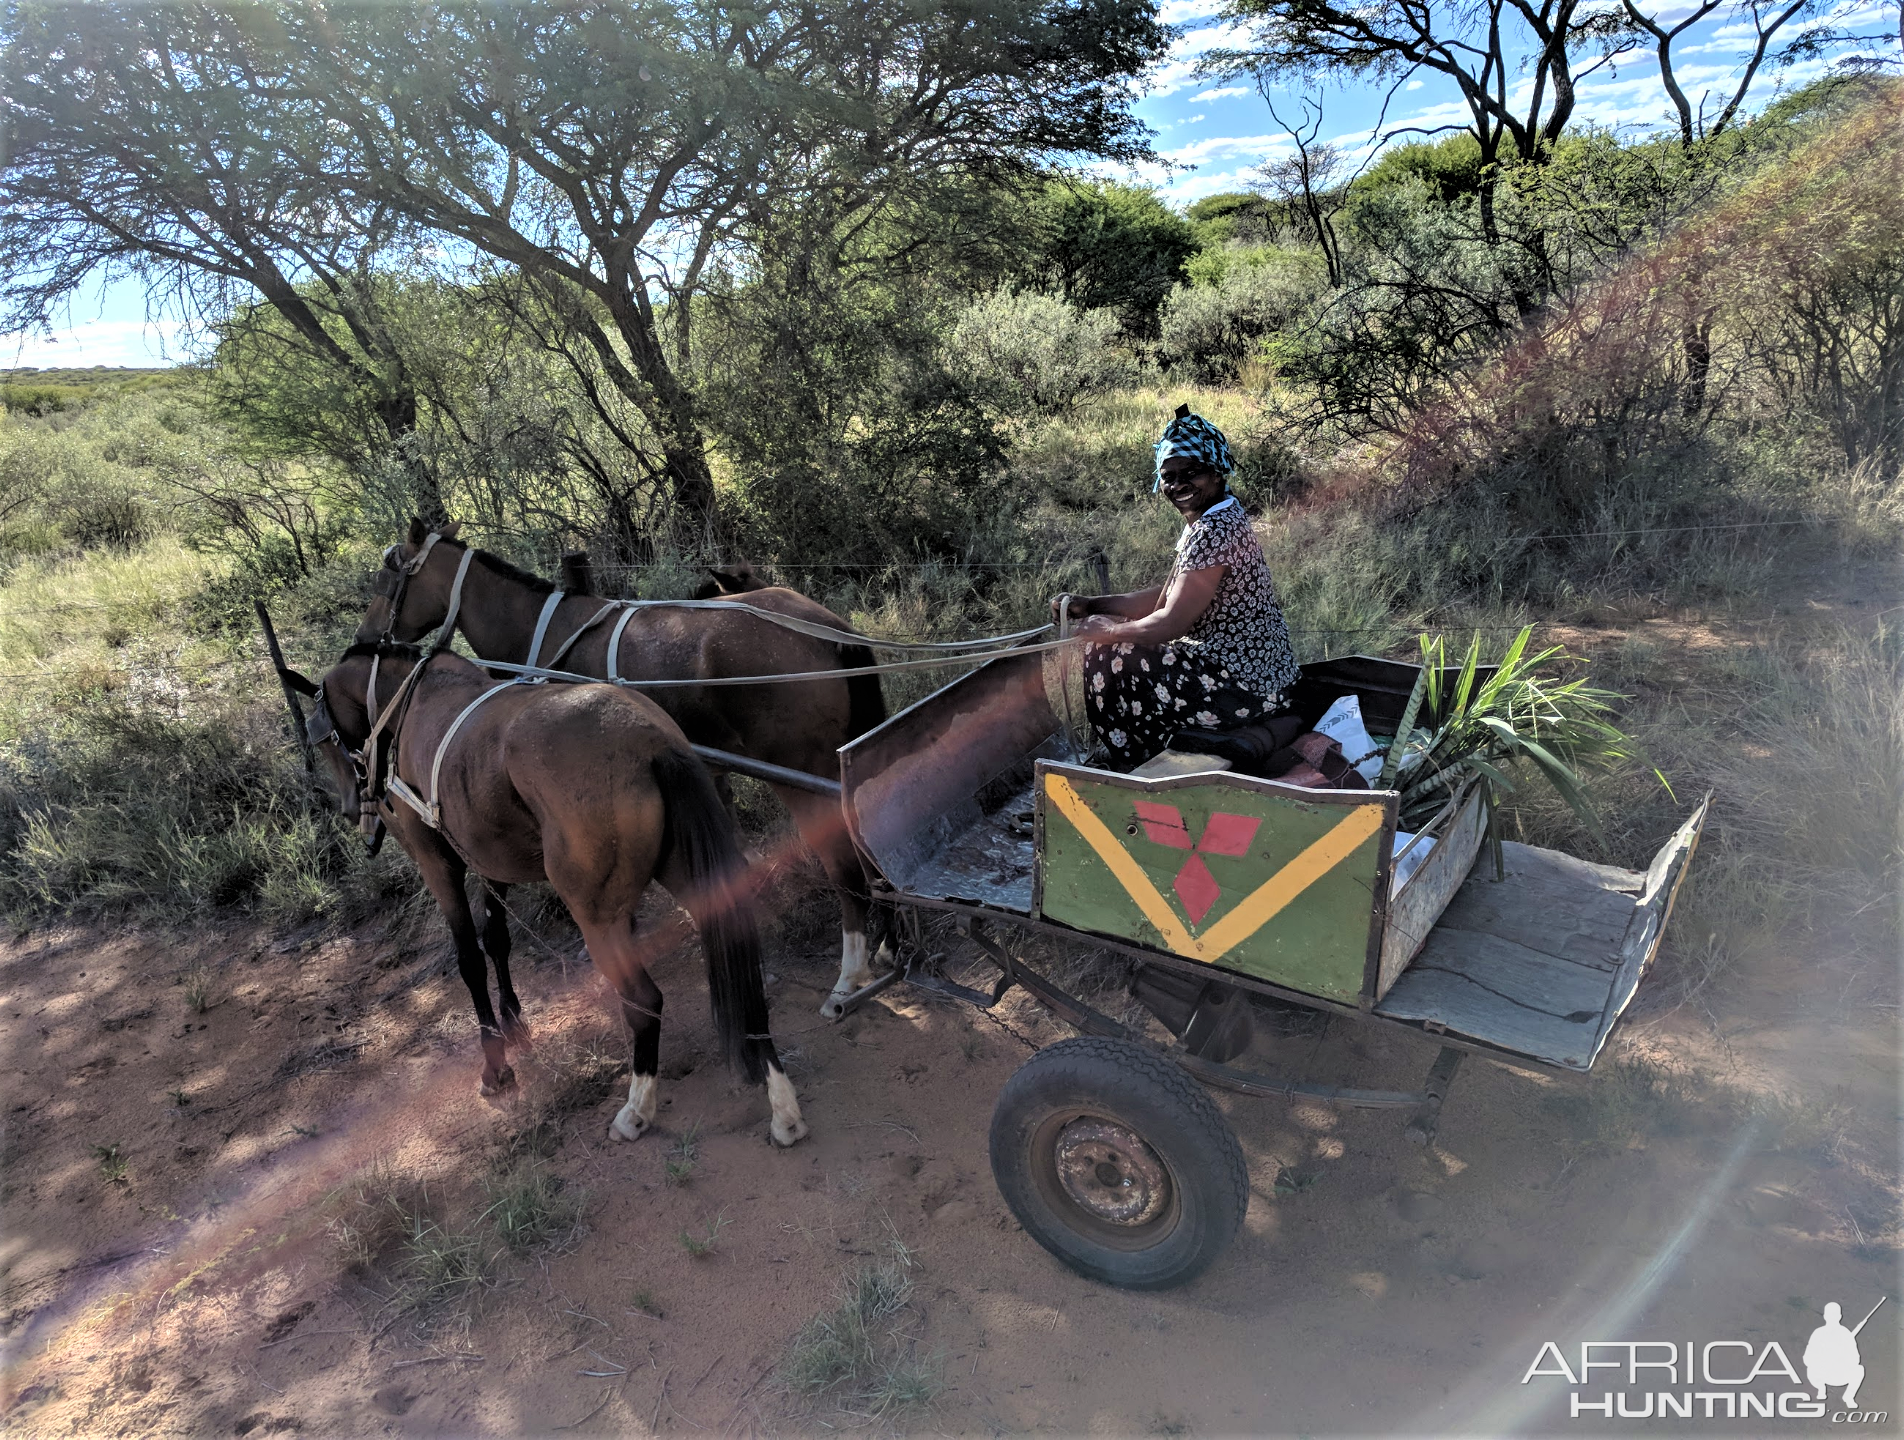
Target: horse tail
{"x":701,"y":847}
{"x":866,"y":702}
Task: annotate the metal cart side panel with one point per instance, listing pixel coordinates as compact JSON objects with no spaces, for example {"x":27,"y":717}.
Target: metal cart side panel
{"x":1266,"y":879}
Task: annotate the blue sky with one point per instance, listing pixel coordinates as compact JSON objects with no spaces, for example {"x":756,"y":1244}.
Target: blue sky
{"x":1213,"y":134}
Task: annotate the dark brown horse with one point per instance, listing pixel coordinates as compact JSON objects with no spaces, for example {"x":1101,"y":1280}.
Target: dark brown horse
{"x":589,"y":786}
{"x":800,"y":725}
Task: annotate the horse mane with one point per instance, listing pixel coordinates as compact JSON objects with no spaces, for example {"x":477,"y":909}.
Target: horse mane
{"x":502,"y":567}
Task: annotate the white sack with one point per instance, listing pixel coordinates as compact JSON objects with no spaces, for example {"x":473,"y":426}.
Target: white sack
{"x":1343,"y":724}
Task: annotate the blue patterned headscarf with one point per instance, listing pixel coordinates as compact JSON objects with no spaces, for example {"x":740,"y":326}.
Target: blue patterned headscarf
{"x":1196,"y":437}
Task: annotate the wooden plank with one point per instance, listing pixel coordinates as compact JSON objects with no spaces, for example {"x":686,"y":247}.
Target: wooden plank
{"x":1412,"y":913}
{"x":1270,"y":880}
{"x":1542,"y":963}
{"x":1167,"y":763}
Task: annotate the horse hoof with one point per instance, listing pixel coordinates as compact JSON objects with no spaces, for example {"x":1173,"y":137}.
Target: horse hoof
{"x":632,"y":1130}
{"x":495,"y":1084}
{"x":786,"y":1136}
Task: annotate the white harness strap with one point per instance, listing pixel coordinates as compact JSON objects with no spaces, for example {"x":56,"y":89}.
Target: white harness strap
{"x":431,"y":809}
{"x":443,"y":637}
{"x":614,"y":643}
{"x":836,"y":635}
{"x":556,"y":597}
{"x":447,"y":631}
{"x":581,"y":630}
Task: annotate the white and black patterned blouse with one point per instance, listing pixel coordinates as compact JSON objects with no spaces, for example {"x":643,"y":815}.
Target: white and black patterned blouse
{"x":1243,"y":630}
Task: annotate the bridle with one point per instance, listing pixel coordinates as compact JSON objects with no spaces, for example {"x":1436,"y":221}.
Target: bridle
{"x":402,"y":575}
{"x":320,"y":730}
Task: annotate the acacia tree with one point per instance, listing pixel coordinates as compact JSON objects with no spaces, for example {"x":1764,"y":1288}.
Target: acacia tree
{"x":1483,"y":46}
{"x":615,"y":148}
{"x":141,"y":140}
{"x":1310,"y":178}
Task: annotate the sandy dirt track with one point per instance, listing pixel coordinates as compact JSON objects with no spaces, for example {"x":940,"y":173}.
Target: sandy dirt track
{"x":1377,"y":1287}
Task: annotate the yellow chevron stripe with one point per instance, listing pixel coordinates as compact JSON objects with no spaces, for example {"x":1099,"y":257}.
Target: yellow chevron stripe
{"x":1129,"y":874}
{"x":1262,"y":903}
{"x":1256,"y":910}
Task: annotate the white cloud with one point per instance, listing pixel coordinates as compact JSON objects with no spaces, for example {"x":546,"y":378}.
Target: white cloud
{"x":1228,"y":147}
{"x":1179,"y":69}
{"x":1414,"y":84}
{"x":1221,"y":93}
{"x":1176,"y":12}
{"x":1194,"y":119}
{"x":94,"y":342}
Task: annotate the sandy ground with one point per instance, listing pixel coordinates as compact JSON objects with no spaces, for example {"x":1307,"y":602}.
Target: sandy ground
{"x":1376,"y":1287}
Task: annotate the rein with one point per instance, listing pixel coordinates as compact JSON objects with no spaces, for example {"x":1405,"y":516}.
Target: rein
{"x":627,"y":608}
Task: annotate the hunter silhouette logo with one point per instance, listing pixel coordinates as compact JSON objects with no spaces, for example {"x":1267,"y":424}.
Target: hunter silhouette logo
{"x":1224,"y":834}
{"x":1831,"y":1355}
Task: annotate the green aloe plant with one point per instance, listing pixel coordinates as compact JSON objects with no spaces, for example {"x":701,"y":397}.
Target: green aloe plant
{"x":1485,"y":723}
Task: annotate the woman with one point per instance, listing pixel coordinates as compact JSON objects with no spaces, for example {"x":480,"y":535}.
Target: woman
{"x":1208,"y":648}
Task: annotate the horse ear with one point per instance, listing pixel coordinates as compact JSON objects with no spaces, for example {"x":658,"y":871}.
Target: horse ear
{"x":419,"y":532}
{"x":1183,"y":411}
{"x":299,"y":682}
{"x":451,"y":530}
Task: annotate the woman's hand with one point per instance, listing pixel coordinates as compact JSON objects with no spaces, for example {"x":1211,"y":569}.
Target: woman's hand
{"x":1100,"y":627}
{"x":1080,"y":607}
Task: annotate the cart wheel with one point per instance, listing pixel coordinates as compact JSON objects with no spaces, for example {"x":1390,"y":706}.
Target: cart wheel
{"x":1118,"y":1163}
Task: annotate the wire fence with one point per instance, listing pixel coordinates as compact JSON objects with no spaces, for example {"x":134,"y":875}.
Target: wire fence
{"x":1057,"y":562}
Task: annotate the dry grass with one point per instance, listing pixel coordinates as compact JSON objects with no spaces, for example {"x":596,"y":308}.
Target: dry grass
{"x":858,"y":1351}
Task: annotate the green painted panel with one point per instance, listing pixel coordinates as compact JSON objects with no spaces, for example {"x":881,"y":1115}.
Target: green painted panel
{"x":1205,"y":853}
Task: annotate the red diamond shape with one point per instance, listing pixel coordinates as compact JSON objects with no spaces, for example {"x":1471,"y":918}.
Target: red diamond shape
{"x":1197,"y":888}
{"x":1163,"y":824}
{"x":1228,"y":834}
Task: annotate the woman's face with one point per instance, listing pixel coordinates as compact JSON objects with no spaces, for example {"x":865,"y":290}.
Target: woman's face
{"x":1191,"y":485}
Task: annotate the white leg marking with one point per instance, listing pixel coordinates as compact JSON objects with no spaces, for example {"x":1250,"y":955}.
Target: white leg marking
{"x":638,"y":1114}
{"x":855,"y":972}
{"x":787,"y":1126}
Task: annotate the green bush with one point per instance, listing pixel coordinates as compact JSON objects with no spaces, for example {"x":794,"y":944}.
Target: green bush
{"x":1210,"y":332}
{"x":121,"y":805}
{"x":1112,"y":246}
{"x":1034,"y":354}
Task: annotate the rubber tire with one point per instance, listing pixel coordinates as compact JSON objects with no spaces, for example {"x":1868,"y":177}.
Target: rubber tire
{"x":1139,"y":1089}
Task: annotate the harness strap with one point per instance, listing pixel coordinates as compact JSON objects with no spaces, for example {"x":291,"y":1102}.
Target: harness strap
{"x":838,"y":636}
{"x":556,"y":597}
{"x":383,"y":720}
{"x":581,"y":630}
{"x":434,"y":814}
{"x":542,"y":672}
{"x":423,"y":553}
{"x":614,"y":644}
{"x":447,"y":632}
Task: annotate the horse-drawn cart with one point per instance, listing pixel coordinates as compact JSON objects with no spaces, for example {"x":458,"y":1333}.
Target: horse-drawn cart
{"x":1237,"y":896}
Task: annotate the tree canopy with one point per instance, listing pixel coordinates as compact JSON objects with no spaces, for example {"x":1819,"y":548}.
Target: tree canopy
{"x":607,"y":150}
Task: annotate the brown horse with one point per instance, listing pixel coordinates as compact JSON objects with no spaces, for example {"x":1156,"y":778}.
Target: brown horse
{"x":590,"y":786}
{"x":800,"y":725}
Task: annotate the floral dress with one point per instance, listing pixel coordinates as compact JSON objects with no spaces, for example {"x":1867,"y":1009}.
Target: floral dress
{"x":1231,"y":669}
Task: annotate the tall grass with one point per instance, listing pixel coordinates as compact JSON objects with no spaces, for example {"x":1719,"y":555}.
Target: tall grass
{"x":148,"y":765}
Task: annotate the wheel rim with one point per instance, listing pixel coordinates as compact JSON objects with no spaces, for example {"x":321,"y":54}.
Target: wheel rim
{"x":1105,"y":1180}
